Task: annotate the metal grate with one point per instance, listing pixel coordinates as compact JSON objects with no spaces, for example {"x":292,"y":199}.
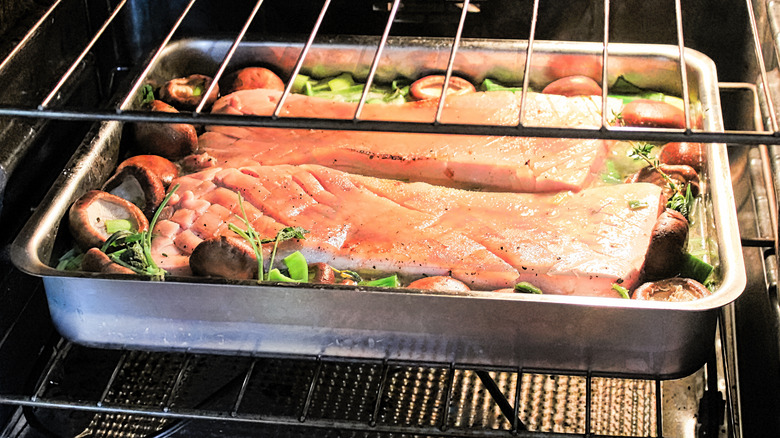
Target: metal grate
{"x":49,"y":107}
{"x":145,"y":393}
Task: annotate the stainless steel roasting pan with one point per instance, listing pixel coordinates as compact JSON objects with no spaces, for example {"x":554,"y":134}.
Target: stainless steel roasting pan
{"x":624,"y":337}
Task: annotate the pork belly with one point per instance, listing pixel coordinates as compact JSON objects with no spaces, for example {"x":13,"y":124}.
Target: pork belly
{"x":565,"y":243}
{"x":497,"y":163}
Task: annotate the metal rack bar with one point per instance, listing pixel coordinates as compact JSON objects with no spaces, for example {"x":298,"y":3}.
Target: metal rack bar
{"x":605,"y":68}
{"x":81,"y":56}
{"x":527,"y":66}
{"x":223,"y":65}
{"x":639,"y":134}
{"x":377,"y":56}
{"x":301,"y":58}
{"x":177,"y":384}
{"x":683,"y":65}
{"x":378,"y":404}
{"x":244,"y":385}
{"x":451,"y":61}
{"x":762,"y":67}
{"x":30,"y":33}
{"x":310,"y":393}
{"x":157,"y":54}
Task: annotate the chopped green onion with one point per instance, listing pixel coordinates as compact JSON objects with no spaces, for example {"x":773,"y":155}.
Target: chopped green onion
{"x":147,"y":94}
{"x":621,"y":290}
{"x":71,"y":260}
{"x":297,"y":266}
{"x":611,"y":174}
{"x":114,"y":225}
{"x":197,"y":91}
{"x":527,"y":288}
{"x":391,"y":281}
{"x":696,"y":269}
{"x":489,"y":85}
{"x":276,"y":275}
{"x":307,"y":89}
{"x":637,"y":205}
{"x":299,"y":83}
{"x":341,"y":82}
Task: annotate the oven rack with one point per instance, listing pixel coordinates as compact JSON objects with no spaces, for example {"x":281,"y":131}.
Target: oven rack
{"x":28,"y":103}
{"x":153,"y":392}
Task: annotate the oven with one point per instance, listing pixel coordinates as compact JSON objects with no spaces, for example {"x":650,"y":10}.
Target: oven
{"x":72,"y":68}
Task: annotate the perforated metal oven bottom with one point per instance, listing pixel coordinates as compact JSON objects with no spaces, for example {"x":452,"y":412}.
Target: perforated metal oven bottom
{"x":164,"y":394}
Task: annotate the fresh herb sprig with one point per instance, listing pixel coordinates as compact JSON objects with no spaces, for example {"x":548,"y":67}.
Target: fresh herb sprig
{"x":680,"y":201}
{"x":133,"y":250}
{"x":251,"y":236}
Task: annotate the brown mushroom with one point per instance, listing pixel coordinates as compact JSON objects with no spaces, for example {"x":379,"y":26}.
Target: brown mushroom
{"x":652,"y":113}
{"x":164,"y":168}
{"x":671,"y":289}
{"x":88,"y":216}
{"x":577,"y":85}
{"x":682,"y":175}
{"x":96,"y":260}
{"x":667,"y":250}
{"x":690,"y":154}
{"x":440,"y":283}
{"x":169,"y":140}
{"x":186,"y":93}
{"x":138,"y":185}
{"x":226,"y":257}
{"x":251,"y":78}
{"x":321,"y":273}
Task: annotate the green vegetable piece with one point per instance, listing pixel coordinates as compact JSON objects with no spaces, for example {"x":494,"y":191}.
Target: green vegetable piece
{"x":391,"y":281}
{"x":299,"y":83}
{"x":276,"y":275}
{"x":147,"y":94}
{"x":341,"y":82}
{"x":297,"y":266}
{"x":527,"y":288}
{"x":490,"y":85}
{"x":307,"y":89}
{"x":624,"y":86}
{"x":71,"y":260}
{"x":197,"y":91}
{"x":637,"y":205}
{"x":696,"y":269}
{"x":621,"y":290}
{"x":114,"y":225}
{"x":611,"y":174}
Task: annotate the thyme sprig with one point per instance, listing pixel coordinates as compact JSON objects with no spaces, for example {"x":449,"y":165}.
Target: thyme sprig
{"x":253,"y":238}
{"x":133,"y":250}
{"x":680,"y":201}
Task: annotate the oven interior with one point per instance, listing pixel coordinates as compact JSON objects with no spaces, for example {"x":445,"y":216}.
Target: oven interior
{"x":69,"y":72}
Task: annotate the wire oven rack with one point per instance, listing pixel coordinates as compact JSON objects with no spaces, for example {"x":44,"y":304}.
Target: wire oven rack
{"x":369,"y":397}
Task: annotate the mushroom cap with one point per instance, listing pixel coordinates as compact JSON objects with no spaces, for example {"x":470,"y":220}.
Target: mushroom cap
{"x":441,"y":283}
{"x":683,"y":175}
{"x":224,"y":256}
{"x":96,"y":260}
{"x":138,"y":185}
{"x":169,"y":140}
{"x":251,"y":78}
{"x":87,"y":217}
{"x":322,"y":273}
{"x":164,"y":168}
{"x":668,"y":243}
{"x":187,"y":92}
{"x":671,"y":289}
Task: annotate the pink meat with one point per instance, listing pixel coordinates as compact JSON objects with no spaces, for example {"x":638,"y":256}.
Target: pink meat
{"x":488,"y":162}
{"x":567,"y":243}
